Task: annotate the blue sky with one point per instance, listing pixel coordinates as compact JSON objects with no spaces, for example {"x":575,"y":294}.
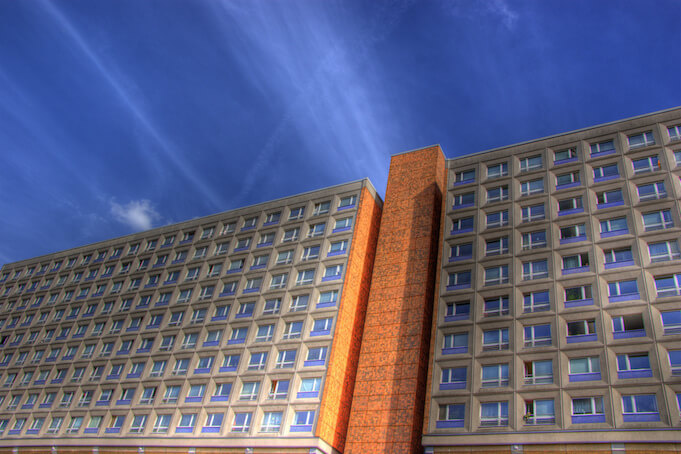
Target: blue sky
{"x":118,"y":116}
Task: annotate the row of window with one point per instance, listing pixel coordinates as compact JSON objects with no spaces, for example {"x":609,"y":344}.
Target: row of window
{"x":618,"y":225}
{"x":613,"y":257}
{"x":218,"y":311}
{"x":261,"y":261}
{"x":577,"y":332}
{"x":607,"y":198}
{"x":289,"y":330}
{"x":583,"y":410}
{"x":564,"y":156}
{"x":271,"y":422}
{"x":229,"y":227}
{"x":207,"y":291}
{"x":634,"y":365}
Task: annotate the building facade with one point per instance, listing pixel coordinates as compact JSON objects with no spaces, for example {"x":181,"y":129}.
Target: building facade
{"x":522,"y":299}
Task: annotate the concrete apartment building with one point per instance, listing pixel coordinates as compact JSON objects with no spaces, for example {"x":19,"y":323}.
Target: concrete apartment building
{"x":522,"y":299}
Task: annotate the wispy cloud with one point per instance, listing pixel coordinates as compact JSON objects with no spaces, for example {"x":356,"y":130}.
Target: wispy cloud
{"x":319,"y":67}
{"x":488,"y":9}
{"x":109,"y":73}
{"x":138,"y":214}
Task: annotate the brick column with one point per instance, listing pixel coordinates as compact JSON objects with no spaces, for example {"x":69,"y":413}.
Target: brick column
{"x":388,"y":400}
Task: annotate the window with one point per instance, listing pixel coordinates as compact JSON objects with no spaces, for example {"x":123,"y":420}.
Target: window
{"x":644,"y":165}
{"x":493,"y":220}
{"x":496,"y":339}
{"x":496,"y":246}
{"x":453,"y":378}
{"x":271,"y":421}
{"x":310,"y":253}
{"x":286,"y":359}
{"x":299,"y":303}
{"x":578,"y":296}
{"x":462,"y":225}
{"x":451,"y":416}
{"x":322,"y":327}
{"x":290,"y":235}
{"x":292,"y":330}
{"x":459,"y":280}
{"x":614,"y":227}
{"x":538,"y":372}
{"x":278,"y":281}
{"x":495,"y":375}
{"x":618,"y":257}
{"x":321,"y":208}
{"x":638,"y":408}
{"x":658,"y":220}
{"x":349,"y":201}
{"x":675,"y":362}
{"x":238,"y":335}
{"x":264,"y":333}
{"x":536,"y":301}
{"x":581,"y":331}
{"x":494,"y":307}
{"x":496,"y":275}
{"x":628,"y":326}
{"x":664,"y":251}
{"x":338,"y":247}
{"x":585,"y":369}
{"x":573,"y":233}
{"x":181,"y":366}
{"x":537,"y":269}
{"x":668,"y":285}
{"x":537,"y":335}
{"x":607,"y":199}
{"x":633,"y":365}
{"x":643,"y":139}
{"x":577,"y":263}
{"x":567,"y":180}
{"x":671,"y":322}
{"x":242,"y":422}
{"x":533,"y":213}
{"x":587,"y":410}
{"x":563,"y":156}
{"x":213,"y":423}
{"x":162,"y":423}
{"x":305,"y":277}
{"x":342,"y":225}
{"x":497,"y":194}
{"x":252,"y":285}
{"x":674,"y":132}
{"x":74,"y":425}
{"x":230,"y":363}
{"x":309,"y":387}
{"x":464,"y":200}
{"x":652,"y":191}
{"x":148,"y":395}
{"x":279,"y":389}
{"x":316,"y":356}
{"x":497,"y":170}
{"x":296,"y":213}
{"x":532,"y":187}
{"x":303,"y":421}
{"x":222,"y":392}
{"x":327,"y":299}
{"x":534,"y":240}
{"x":569,"y":206}
{"x":284,"y":257}
{"x":187,"y":423}
{"x":623,"y":291}
{"x":457,"y":311}
{"x":243,"y":244}
{"x":531,"y":163}
{"x":455,"y":343}
{"x":539,"y":412}
{"x":602,"y":148}
{"x":461,"y":252}
{"x":464,"y":177}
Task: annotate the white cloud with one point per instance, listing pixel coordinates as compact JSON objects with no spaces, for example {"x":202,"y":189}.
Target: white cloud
{"x":138,"y":214}
{"x":475,"y":10}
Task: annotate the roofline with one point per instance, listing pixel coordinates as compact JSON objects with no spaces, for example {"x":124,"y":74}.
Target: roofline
{"x":553,"y":136}
{"x":362,"y":181}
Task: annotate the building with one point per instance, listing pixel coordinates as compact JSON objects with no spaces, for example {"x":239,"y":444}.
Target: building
{"x":522,"y":299}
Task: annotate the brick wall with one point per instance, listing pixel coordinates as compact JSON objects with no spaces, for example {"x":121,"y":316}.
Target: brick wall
{"x":334,"y":411}
{"x":387,"y":407}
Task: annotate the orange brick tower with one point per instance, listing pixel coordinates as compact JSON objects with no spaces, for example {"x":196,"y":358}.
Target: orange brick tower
{"x":387,"y":405}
